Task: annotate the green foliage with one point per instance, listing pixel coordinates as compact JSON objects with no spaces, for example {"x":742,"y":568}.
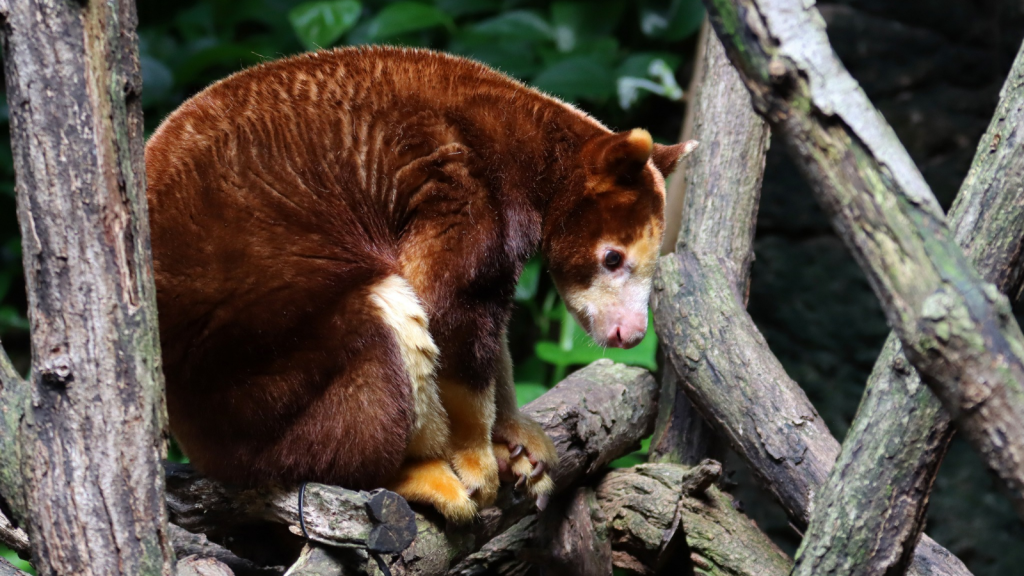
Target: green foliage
{"x":320,"y":24}
{"x":12,"y":557}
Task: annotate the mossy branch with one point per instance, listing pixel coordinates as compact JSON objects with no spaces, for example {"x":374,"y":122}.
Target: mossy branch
{"x":723,"y":186}
{"x":13,"y":394}
{"x":956,"y":329}
{"x":896,"y":443}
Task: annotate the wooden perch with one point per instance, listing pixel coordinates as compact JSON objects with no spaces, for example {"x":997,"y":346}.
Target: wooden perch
{"x":186,"y":544}
{"x":734,"y":380}
{"x":742,"y":390}
{"x":956,"y":329}
{"x":650,"y":506}
{"x":8,"y":569}
{"x":895,"y":444}
{"x":723,"y":185}
{"x":594,"y":416}
{"x":13,"y":537}
{"x":637,"y":519}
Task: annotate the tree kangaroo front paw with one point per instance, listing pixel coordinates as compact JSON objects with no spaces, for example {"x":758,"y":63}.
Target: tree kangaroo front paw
{"x":525,"y":456}
{"x":478,"y":470}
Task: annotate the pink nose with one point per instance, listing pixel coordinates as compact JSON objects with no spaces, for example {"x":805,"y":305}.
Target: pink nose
{"x":627,"y":333}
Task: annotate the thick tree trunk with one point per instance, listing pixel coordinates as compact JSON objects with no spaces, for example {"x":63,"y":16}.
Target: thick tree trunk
{"x":84,"y":433}
{"x":956,"y":329}
{"x":893,"y":449}
{"x":723,"y":185}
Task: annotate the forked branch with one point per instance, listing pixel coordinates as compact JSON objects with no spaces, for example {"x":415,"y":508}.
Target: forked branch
{"x":956,"y":329}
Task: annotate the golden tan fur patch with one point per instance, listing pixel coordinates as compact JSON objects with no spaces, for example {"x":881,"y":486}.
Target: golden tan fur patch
{"x":433,"y":482}
{"x":471,"y":411}
{"x":401,"y":310}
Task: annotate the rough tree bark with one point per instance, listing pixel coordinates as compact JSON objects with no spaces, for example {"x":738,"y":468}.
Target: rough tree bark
{"x":719,"y":209}
{"x":646,"y":505}
{"x":80,"y":442}
{"x":729,"y":372}
{"x":7,"y":569}
{"x":646,"y":513}
{"x":868,"y":516}
{"x":956,"y":329}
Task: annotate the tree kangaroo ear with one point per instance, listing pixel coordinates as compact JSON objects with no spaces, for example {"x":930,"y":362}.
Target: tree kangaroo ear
{"x":666,"y":158}
{"x":623,"y":153}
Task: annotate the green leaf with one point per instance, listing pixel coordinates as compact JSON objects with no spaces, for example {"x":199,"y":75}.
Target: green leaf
{"x":523,"y":25}
{"x":639,"y":64}
{"x":629,"y":460}
{"x":516,"y":59}
{"x":157,"y":80}
{"x":575,"y":22}
{"x":527,"y":392}
{"x":577,"y":78}
{"x":603,"y":50}
{"x":576,"y":347}
{"x":10,"y":318}
{"x":664,"y":84}
{"x":671,"y":21}
{"x":456,"y":8}
{"x":403,"y":17}
{"x":526,"y":289}
{"x":12,"y":557}
{"x":530,"y":369}
{"x":321,"y":24}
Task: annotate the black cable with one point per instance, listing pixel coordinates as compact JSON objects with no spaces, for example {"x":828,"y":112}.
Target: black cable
{"x":302,"y":517}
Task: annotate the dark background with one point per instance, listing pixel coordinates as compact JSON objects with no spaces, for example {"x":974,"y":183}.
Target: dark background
{"x":933,"y":67}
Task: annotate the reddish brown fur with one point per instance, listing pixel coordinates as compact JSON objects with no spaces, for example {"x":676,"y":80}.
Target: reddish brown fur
{"x":278,"y":196}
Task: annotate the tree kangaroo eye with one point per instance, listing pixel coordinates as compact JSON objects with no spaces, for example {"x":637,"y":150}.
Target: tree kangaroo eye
{"x":612,"y":259}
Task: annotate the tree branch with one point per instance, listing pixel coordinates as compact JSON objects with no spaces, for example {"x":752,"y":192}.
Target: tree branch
{"x":651,"y":506}
{"x":594,"y":416}
{"x":8,"y":569}
{"x":736,"y":383}
{"x":742,"y":390}
{"x":13,"y":395}
{"x":641,"y":511}
{"x":956,"y":329}
{"x":187,"y":544}
{"x":13,"y":537}
{"x":723,"y":186}
{"x":640,"y":518}
{"x":888,"y":464}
